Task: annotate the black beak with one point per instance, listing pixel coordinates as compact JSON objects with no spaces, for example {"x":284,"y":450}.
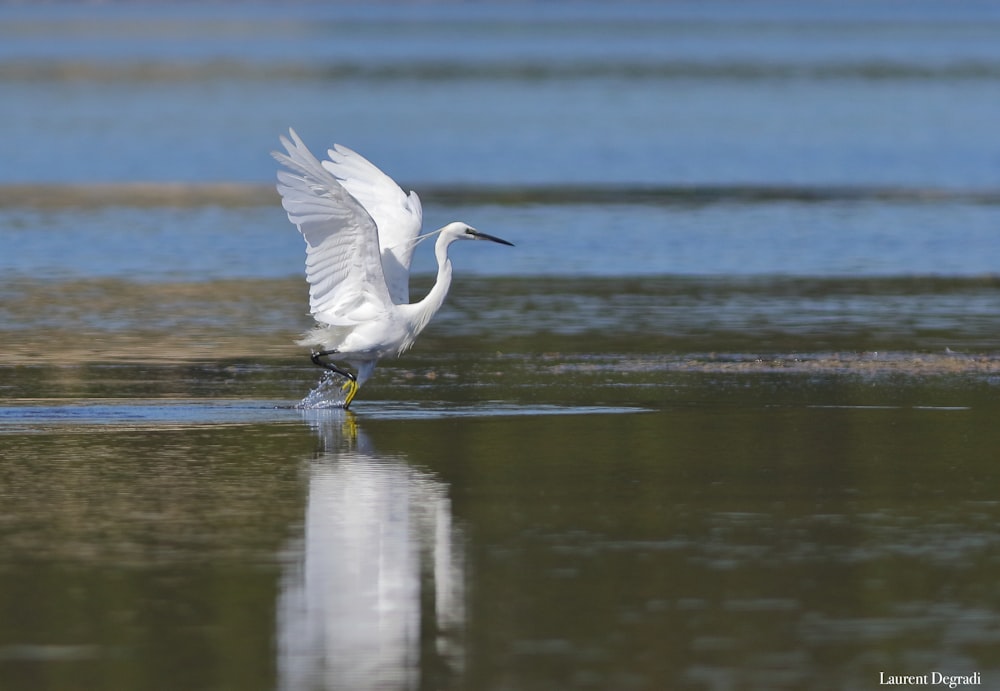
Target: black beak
{"x":483,"y":236}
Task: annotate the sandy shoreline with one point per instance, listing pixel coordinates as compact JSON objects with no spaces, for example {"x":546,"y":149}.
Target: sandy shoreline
{"x":271,"y":350}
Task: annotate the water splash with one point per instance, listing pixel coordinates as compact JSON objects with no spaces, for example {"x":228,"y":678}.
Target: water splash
{"x":328,"y":393}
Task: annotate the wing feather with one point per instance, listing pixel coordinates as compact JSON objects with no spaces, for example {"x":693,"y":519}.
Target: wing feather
{"x":397,"y":215}
{"x":343,"y":262}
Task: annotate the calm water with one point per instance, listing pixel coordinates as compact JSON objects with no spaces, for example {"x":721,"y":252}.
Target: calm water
{"x":723,"y":419}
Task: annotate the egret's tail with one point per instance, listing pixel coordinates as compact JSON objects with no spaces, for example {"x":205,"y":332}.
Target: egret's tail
{"x":324,"y":337}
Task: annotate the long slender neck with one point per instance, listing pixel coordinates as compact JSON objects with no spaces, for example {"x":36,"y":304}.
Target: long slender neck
{"x":428,"y":307}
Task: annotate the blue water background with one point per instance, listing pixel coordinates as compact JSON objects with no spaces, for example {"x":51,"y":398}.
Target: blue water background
{"x":819,"y":93}
{"x":781,"y":239}
{"x":778,"y":95}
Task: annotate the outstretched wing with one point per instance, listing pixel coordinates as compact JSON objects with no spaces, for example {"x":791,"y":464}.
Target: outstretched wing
{"x":343,"y":263}
{"x":397,"y":215}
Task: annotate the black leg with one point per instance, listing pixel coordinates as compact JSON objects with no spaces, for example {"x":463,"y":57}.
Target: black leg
{"x":329,"y":365}
{"x":350,"y":386}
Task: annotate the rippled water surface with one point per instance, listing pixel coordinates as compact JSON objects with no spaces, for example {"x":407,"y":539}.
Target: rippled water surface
{"x":724,"y":418}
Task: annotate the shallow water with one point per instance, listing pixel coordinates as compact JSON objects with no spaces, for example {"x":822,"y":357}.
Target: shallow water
{"x":690,"y":530}
{"x":724,"y":418}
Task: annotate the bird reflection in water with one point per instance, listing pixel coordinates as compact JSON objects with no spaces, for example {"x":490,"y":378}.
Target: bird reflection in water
{"x":373,"y":595}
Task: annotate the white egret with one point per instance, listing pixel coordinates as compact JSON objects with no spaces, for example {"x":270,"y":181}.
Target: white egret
{"x":360,"y":229}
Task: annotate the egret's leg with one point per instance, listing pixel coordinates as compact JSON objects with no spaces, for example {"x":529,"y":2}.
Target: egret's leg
{"x":350,"y":386}
{"x":329,"y":365}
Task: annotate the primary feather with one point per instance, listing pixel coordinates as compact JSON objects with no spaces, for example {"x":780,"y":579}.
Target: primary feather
{"x":397,"y":216}
{"x":343,"y":257}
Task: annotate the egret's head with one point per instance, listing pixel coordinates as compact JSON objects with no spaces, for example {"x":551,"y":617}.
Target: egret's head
{"x":463,"y":231}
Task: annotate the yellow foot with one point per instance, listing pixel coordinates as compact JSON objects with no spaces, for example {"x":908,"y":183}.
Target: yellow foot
{"x":351,"y":387}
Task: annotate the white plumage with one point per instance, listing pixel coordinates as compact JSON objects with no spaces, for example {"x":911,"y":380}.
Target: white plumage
{"x":360,"y":230}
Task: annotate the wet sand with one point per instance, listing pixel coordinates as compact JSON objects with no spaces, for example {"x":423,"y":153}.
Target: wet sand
{"x":613,"y":329}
